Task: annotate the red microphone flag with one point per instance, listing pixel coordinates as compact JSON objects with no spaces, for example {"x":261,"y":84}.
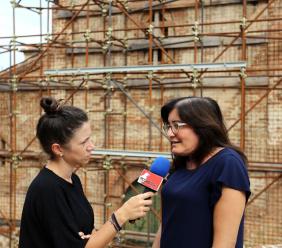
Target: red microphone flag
{"x":150,"y":180}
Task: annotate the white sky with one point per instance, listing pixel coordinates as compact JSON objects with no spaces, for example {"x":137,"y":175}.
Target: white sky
{"x":27,"y":23}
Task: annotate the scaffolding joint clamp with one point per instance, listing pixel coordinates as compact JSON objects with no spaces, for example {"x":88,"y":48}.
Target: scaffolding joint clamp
{"x":108,"y":204}
{"x":14,"y":3}
{"x":150,"y":29}
{"x":109,"y":32}
{"x":13,"y":42}
{"x":107,"y":164}
{"x":148,"y":162}
{"x":195,"y":78}
{"x":125,"y":42}
{"x":42,"y":82}
{"x":16,"y":160}
{"x":109,"y":76}
{"x":105,"y":9}
{"x":150,"y":75}
{"x":195,"y":31}
{"x":72,"y":3}
{"x":243,"y":73}
{"x":243,"y":23}
{"x":14,"y":83}
{"x":48,"y":37}
{"x":109,"y":111}
{"x":86,"y":76}
{"x":125,"y":4}
{"x":87,"y":35}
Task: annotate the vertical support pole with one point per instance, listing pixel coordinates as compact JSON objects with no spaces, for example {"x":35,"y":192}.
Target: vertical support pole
{"x":72,"y":42}
{"x":105,"y":95}
{"x":106,"y":183}
{"x":165,"y":33}
{"x":47,"y":57}
{"x":201,"y":41}
{"x":124,"y":96}
{"x":109,"y":63}
{"x":41,"y":41}
{"x":87,"y":39}
{"x":124,"y":121}
{"x":12,"y":128}
{"x":150,"y":61}
{"x":196,"y":38}
{"x":243,"y":93}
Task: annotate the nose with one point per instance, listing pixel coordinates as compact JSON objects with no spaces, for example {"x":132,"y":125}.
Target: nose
{"x":90,"y":146}
{"x":170,"y":134}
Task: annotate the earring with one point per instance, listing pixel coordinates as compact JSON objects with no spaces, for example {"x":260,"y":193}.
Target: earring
{"x":61,"y":155}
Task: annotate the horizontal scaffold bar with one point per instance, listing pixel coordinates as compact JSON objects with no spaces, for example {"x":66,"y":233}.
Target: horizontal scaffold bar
{"x":127,"y":153}
{"x":136,"y":68}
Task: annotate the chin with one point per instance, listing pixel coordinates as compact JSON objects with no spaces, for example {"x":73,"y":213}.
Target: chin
{"x":86,"y":161}
{"x":180,"y":153}
{"x":83,"y":163}
{"x":176,"y":153}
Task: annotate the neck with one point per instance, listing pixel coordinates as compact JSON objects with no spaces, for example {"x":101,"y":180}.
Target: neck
{"x":61,"y":168}
{"x":192,"y":165}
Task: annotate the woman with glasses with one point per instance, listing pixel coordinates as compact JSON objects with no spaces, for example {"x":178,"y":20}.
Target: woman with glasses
{"x":204,"y":199}
{"x":56,"y":213}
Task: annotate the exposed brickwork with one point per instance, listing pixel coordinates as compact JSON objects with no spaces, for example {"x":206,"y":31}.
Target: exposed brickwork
{"x":125,"y":127}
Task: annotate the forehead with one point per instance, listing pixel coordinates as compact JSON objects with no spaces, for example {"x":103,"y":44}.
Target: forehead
{"x":173,"y":116}
{"x":82,"y":132}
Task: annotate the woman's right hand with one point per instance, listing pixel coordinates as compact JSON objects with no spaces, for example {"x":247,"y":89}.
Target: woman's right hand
{"x":134,"y":208}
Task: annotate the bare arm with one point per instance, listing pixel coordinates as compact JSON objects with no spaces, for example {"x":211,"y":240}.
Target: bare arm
{"x":228,"y":213}
{"x":134,"y":208}
{"x":157,"y":240}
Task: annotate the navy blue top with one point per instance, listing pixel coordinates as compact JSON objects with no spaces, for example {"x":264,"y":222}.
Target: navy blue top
{"x":189,"y":197}
{"x":54,"y":212}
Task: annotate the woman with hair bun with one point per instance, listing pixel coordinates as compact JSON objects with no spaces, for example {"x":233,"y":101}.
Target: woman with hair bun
{"x":204,"y":199}
{"x":56,"y":213}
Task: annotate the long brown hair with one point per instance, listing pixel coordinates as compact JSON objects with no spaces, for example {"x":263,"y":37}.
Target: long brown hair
{"x":204,"y":116}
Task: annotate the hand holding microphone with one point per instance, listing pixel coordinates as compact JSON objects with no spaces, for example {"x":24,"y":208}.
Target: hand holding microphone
{"x":134,"y":208}
{"x":152,"y":179}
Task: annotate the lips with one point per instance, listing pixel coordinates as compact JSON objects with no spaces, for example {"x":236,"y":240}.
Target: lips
{"x":175,"y":142}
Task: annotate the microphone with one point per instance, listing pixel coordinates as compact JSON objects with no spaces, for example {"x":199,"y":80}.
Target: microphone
{"x":152,"y":179}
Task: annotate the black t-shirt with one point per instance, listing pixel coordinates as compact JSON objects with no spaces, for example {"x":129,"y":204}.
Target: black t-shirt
{"x":54,"y":212}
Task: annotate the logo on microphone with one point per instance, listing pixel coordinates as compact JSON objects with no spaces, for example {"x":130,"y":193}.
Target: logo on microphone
{"x":150,"y":180}
{"x":143,"y":178}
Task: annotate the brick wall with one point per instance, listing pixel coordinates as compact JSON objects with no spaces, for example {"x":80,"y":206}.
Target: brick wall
{"x":127,"y":128}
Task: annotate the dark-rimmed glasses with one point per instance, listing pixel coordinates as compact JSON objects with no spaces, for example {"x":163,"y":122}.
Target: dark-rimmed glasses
{"x":174,"y":126}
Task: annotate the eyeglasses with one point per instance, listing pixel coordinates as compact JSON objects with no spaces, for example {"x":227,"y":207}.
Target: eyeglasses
{"x":175,"y":126}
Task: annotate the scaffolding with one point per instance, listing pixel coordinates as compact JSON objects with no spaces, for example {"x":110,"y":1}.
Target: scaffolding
{"x":121,"y":60}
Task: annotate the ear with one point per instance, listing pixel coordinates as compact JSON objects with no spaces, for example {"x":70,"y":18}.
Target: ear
{"x":57,"y":150}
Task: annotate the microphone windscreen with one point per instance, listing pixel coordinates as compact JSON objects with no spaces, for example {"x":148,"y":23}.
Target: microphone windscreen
{"x":160,"y":166}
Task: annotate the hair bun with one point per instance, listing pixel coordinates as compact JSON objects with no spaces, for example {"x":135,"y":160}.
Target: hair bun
{"x":50,"y":105}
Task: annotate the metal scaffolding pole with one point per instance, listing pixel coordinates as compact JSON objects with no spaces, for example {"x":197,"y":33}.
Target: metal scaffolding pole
{"x":122,"y":69}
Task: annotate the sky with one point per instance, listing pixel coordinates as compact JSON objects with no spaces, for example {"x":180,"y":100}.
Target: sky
{"x":27,"y":22}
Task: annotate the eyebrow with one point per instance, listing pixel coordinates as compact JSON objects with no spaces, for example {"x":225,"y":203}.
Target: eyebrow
{"x":85,"y":140}
{"x":174,"y":121}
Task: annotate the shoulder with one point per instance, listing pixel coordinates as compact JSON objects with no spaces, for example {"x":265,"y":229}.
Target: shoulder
{"x":44,"y":183}
{"x":229,"y":158}
{"x":229,"y":166}
{"x":76,"y":180}
{"x":75,"y":177}
{"x":229,"y":170}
